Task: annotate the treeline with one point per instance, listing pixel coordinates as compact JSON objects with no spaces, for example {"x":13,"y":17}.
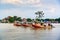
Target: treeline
{"x":11,"y":19}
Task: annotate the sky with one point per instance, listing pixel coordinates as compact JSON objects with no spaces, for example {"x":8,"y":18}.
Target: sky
{"x":27,"y":8}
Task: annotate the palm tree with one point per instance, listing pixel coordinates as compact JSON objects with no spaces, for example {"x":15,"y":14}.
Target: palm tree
{"x":40,"y":14}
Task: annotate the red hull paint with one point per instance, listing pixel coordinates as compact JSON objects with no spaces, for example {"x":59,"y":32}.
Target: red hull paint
{"x":35,"y":26}
{"x":17,"y":24}
{"x":26,"y":25}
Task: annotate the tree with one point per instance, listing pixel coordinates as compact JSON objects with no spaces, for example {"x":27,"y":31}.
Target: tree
{"x":29,"y":19}
{"x":47,"y":19}
{"x":11,"y":19}
{"x":38,"y":19}
{"x":58,"y":19}
{"x":15,"y":17}
{"x":0,"y":20}
{"x":18,"y":19}
{"x":40,"y":14}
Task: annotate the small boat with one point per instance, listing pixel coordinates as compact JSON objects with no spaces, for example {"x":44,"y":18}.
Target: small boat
{"x":17,"y":24}
{"x":25,"y":25}
{"x":36,"y":26}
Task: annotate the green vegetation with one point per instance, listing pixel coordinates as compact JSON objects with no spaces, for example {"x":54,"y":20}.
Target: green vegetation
{"x":39,"y":15}
{"x":58,"y":19}
{"x":11,"y":19}
{"x":29,"y":19}
{"x":18,"y":19}
{"x":15,"y":18}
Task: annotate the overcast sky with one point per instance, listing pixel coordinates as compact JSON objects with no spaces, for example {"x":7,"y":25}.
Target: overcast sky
{"x":27,"y":8}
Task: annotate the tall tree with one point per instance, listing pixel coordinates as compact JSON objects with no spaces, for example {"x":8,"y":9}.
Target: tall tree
{"x":40,"y":14}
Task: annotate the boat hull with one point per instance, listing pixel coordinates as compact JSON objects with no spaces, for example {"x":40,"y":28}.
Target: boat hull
{"x":25,"y":25}
{"x":36,"y":26}
{"x":17,"y":24}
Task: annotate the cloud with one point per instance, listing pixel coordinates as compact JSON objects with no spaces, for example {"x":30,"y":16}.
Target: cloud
{"x":29,"y":3}
{"x":10,"y":1}
{"x":10,"y":11}
{"x":16,"y":12}
{"x":19,"y":6}
{"x":21,"y":1}
{"x":39,"y":4}
{"x":52,"y":10}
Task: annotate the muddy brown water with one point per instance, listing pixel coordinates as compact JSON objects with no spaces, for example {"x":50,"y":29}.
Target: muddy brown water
{"x":10,"y":32}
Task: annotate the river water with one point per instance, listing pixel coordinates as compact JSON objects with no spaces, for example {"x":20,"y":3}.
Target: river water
{"x":10,"y":32}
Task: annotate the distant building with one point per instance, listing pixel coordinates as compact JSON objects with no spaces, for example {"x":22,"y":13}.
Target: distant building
{"x":5,"y":20}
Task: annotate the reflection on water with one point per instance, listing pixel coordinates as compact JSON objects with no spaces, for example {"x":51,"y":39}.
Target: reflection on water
{"x":9,"y":32}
